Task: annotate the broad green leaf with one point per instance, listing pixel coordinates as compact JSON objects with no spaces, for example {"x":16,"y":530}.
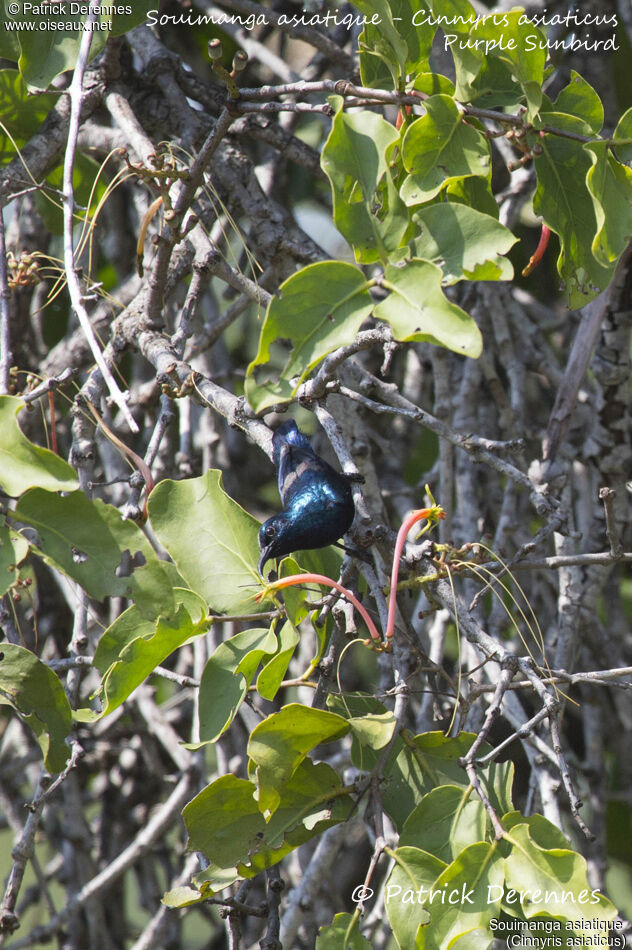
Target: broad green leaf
{"x":371,"y":723}
{"x":382,"y":42}
{"x":13,"y":550}
{"x":212,"y":540}
{"x":374,"y":730}
{"x":142,"y":646}
{"x":9,"y":45}
{"x":566,"y":206}
{"x":227,"y":675}
{"x":544,"y":832}
{"x":383,"y":60}
{"x":456,"y":18}
{"x":342,"y":934}
{"x":461,"y":241}
{"x":516,"y":44}
{"x":447,"y":820}
{"x":368,"y":211}
{"x":20,"y":114}
{"x":224,"y":822}
{"x":90,"y":542}
{"x":127,"y":16}
{"x":36,"y":693}
{"x":413,"y":875}
{"x":422,"y":763}
{"x":552,"y":881}
{"x":185,"y":896}
{"x":610,"y":184}
{"x":213,"y":879}
{"x":474,"y":192}
{"x":433,"y":84}
{"x":463,"y":904}
{"x":318,"y":309}
{"x":23,"y":464}
{"x":495,"y":86}
{"x":271,"y":676}
{"x":417,"y":309}
{"x":312,"y":800}
{"x":623,"y":132}
{"x":47,"y":52}
{"x":434,"y":906}
{"x":280,"y":743}
{"x":130,"y":625}
{"x":355,"y":705}
{"x":579,"y":99}
{"x":440,"y":147}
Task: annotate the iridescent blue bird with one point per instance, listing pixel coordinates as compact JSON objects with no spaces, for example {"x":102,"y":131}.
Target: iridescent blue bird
{"x":317,"y":501}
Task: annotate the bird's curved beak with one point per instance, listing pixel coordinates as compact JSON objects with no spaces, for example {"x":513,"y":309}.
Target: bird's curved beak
{"x":264,"y":557}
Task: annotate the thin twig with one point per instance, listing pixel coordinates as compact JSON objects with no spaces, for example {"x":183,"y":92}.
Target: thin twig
{"x":75,"y":93}
{"x":607,"y":496}
{"x":5,"y":314}
{"x":21,"y":854}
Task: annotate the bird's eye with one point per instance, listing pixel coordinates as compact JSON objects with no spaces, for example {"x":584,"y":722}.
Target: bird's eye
{"x":270,"y":532}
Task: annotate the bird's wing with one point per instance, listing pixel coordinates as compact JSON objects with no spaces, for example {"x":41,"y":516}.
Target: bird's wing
{"x":299,"y":468}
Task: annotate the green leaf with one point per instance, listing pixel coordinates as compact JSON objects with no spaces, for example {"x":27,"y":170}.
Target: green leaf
{"x":342,"y":934}
{"x":543,"y":831}
{"x":227,"y":675}
{"x":382,"y":41}
{"x":9,"y":45}
{"x":416,"y":26}
{"x":447,"y":820}
{"x":623,"y":132}
{"x":413,"y":871}
{"x":467,"y":880}
{"x":21,"y":114}
{"x":516,"y":44}
{"x":212,"y":540}
{"x":579,"y":99}
{"x":319,"y":309}
{"x":495,"y":86}
{"x":47,"y":52}
{"x":368,"y":211}
{"x":424,"y":762}
{"x":186,"y":896}
{"x":124,"y":21}
{"x":610,"y":184}
{"x":551,"y":881}
{"x":433,"y":84}
{"x":434,"y":911}
{"x":388,"y":55}
{"x":417,"y":309}
{"x":374,"y":729}
{"x":456,"y":17}
{"x":148,"y":645}
{"x":566,"y":206}
{"x":13,"y":550}
{"x":130,"y":625}
{"x":475,"y":193}
{"x":25,"y":465}
{"x":224,"y":822}
{"x":271,"y":676}
{"x":36,"y":693}
{"x":90,"y":542}
{"x":461,"y":241}
{"x":440,"y":147}
{"x":280,"y":743}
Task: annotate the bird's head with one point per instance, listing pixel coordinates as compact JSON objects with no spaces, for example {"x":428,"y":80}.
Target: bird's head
{"x":274,"y":538}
